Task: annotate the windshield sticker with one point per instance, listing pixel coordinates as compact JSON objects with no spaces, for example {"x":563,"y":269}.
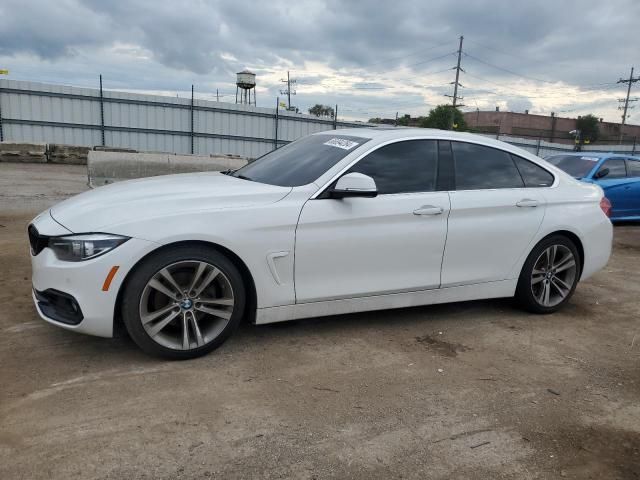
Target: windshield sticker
{"x":591,"y":159}
{"x":342,"y":143}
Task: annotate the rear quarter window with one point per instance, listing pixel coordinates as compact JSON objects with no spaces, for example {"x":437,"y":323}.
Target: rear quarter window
{"x":532,"y":174}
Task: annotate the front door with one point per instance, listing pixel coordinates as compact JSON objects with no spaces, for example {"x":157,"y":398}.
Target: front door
{"x":353,"y":247}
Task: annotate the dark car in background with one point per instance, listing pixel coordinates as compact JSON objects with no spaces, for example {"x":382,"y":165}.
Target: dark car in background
{"x":617,"y":174}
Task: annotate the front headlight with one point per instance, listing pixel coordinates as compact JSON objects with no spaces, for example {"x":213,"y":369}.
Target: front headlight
{"x":76,"y":248}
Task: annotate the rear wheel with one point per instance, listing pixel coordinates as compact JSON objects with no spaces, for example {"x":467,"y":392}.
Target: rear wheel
{"x":549,"y":276}
{"x":184,"y":302}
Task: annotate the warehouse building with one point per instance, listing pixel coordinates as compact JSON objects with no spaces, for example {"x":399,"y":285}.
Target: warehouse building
{"x":547,"y":127}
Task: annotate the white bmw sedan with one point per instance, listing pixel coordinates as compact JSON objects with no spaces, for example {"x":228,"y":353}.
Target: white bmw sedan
{"x":336,"y":222}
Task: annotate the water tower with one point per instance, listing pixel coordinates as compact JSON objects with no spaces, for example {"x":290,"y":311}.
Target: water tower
{"x":245,"y":82}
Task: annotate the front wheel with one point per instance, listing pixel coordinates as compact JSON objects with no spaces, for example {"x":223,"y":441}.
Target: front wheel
{"x":549,"y":275}
{"x":184,"y":302}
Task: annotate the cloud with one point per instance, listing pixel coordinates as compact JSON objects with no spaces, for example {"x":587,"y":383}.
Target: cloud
{"x":519,"y":104}
{"x":550,"y":54}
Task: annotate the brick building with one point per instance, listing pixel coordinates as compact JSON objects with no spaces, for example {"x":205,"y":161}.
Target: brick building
{"x":548,"y":127}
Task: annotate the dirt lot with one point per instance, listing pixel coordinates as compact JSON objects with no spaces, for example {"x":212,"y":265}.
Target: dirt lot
{"x":467,"y":390}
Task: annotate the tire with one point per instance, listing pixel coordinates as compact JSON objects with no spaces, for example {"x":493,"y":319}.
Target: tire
{"x":183,"y":302}
{"x":559,"y":278}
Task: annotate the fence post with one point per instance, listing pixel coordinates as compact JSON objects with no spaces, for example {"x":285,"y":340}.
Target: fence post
{"x":101,"y":112}
{"x":633,"y":150}
{"x":1,"y":131}
{"x":538,"y":147}
{"x":335,"y":118}
{"x":275,"y":136}
{"x":192,"y":149}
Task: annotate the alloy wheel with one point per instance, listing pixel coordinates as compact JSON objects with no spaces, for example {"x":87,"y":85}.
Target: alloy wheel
{"x":553,"y":275}
{"x":186,"y":305}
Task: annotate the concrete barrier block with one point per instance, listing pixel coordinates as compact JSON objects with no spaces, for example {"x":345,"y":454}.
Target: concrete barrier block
{"x":110,"y":167}
{"x":23,"y":152}
{"x":68,"y":154}
{"x":100,"y":148}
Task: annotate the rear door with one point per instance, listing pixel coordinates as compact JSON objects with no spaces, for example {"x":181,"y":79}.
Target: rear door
{"x":633,"y":186}
{"x":494,"y":213}
{"x":616,"y":186}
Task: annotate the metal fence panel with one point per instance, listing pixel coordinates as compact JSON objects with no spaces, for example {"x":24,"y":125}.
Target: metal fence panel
{"x":36,"y":112}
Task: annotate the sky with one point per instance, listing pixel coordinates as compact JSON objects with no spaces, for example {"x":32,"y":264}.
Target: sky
{"x":371,"y":58}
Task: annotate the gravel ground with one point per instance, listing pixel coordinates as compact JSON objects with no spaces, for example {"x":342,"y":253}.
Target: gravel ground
{"x":466,"y":390}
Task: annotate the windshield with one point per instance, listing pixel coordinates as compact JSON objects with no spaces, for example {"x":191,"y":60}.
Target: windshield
{"x":300,"y":162}
{"x":575,"y":166}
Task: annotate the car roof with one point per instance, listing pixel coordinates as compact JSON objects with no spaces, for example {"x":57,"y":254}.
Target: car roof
{"x":390,"y":133}
{"x":595,"y":155}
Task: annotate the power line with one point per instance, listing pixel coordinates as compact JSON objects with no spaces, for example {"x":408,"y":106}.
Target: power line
{"x":506,"y":69}
{"x":391,"y":59}
{"x":394,"y":69}
{"x":494,"y":49}
{"x":574,"y":96}
{"x":519,"y":57}
{"x":333,"y":84}
{"x":585,"y":89}
{"x":420,"y":63}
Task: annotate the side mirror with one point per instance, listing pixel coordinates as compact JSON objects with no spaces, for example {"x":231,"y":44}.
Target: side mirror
{"x":602,"y":173}
{"x":354,"y":185}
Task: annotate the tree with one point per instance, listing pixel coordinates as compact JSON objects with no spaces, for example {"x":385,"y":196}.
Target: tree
{"x":440,"y":117}
{"x":322,"y":111}
{"x":403,"y":121}
{"x":589,"y":128}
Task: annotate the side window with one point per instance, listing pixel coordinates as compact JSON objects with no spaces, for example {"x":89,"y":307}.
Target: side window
{"x":479,"y":167}
{"x":616,"y":168}
{"x":633,"y":167}
{"x":402,"y":167}
{"x":532,"y":174}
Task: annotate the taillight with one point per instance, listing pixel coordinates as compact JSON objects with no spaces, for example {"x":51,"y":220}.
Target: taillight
{"x":605,"y":205}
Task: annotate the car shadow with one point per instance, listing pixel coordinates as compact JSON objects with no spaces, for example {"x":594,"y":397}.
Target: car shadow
{"x":399,"y":318}
{"x":121,"y":348}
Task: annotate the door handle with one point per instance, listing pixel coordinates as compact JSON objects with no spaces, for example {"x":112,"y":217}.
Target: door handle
{"x":527,"y":202}
{"x":428,"y":210}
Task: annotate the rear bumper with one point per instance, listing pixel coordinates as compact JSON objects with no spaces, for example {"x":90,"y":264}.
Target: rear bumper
{"x":597,"y":244}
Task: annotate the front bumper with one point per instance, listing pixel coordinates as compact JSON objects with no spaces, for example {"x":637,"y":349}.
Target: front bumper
{"x":58,"y":306}
{"x":84,"y":282}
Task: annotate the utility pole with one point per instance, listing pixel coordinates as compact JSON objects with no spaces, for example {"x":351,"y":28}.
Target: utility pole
{"x":2,"y":72}
{"x":626,"y":100}
{"x":456,"y":84}
{"x":288,"y":92}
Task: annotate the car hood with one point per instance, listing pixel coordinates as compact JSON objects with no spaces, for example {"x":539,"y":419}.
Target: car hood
{"x":131,"y":201}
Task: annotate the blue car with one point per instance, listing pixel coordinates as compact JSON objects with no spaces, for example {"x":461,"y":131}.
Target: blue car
{"x":617,"y":174}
